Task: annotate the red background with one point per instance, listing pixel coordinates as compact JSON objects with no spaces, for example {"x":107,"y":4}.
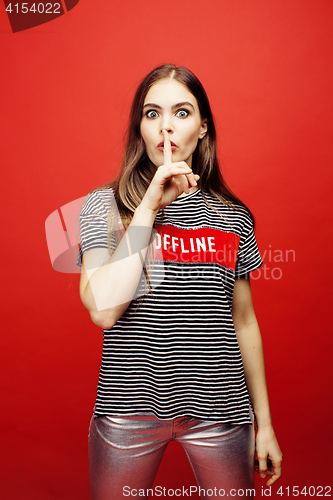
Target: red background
{"x":66,"y":88}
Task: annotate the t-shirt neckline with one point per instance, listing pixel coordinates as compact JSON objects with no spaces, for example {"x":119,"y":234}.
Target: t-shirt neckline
{"x":187,"y":197}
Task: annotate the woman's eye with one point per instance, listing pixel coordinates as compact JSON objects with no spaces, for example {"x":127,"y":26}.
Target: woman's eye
{"x":151,"y":114}
{"x":182,"y":113}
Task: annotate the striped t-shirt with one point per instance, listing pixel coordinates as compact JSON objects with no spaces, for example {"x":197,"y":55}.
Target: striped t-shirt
{"x":175,"y":353}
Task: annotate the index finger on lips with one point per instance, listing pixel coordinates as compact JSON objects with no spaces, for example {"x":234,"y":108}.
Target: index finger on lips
{"x":167,"y":148}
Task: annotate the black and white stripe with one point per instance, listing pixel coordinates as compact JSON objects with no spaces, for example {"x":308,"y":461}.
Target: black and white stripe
{"x":176,"y":353}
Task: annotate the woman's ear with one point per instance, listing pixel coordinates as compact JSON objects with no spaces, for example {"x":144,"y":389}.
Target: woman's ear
{"x":203,"y":128}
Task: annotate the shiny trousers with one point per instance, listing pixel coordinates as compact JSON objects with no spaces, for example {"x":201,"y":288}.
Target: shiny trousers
{"x":125,"y":453}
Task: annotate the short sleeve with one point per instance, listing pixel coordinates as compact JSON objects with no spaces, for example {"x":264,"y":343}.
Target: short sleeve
{"x":248,"y":258}
{"x":94,"y":221}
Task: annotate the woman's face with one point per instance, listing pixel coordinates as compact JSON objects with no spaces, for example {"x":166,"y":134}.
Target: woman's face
{"x":170,"y":106}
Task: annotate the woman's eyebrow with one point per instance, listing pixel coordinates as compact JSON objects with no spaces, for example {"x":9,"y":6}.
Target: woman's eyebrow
{"x":178,"y":105}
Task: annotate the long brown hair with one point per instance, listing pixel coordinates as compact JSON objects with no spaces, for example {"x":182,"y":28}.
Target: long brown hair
{"x":137,"y":170}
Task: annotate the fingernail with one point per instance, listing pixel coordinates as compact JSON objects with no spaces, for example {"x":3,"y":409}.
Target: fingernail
{"x":262,"y":475}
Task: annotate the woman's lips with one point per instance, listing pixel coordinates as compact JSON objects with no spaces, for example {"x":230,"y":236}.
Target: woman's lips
{"x":160,"y":146}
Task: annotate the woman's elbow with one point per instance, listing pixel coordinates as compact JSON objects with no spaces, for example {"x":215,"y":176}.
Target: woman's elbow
{"x":103,"y":320}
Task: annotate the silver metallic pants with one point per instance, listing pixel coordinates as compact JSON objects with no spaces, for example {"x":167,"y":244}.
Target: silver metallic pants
{"x":125,"y":453}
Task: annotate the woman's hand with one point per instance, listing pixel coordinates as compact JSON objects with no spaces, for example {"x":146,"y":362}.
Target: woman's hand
{"x":169,"y":182}
{"x":269,"y":455}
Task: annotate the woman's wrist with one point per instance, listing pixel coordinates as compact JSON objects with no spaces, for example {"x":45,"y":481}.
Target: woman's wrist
{"x":264,"y":422}
{"x":144,"y":216}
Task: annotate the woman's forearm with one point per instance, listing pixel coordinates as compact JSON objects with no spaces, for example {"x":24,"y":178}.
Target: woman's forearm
{"x":108,"y":288}
{"x":250,"y":343}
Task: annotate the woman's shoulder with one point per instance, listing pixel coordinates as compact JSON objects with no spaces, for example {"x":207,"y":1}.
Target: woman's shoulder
{"x":98,"y":201}
{"x":230,"y":209}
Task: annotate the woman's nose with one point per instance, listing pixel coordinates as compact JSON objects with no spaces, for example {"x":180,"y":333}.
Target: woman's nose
{"x":167,"y":125}
{"x":169,"y":130}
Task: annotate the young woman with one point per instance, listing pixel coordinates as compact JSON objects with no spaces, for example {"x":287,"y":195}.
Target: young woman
{"x":166,"y":252}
